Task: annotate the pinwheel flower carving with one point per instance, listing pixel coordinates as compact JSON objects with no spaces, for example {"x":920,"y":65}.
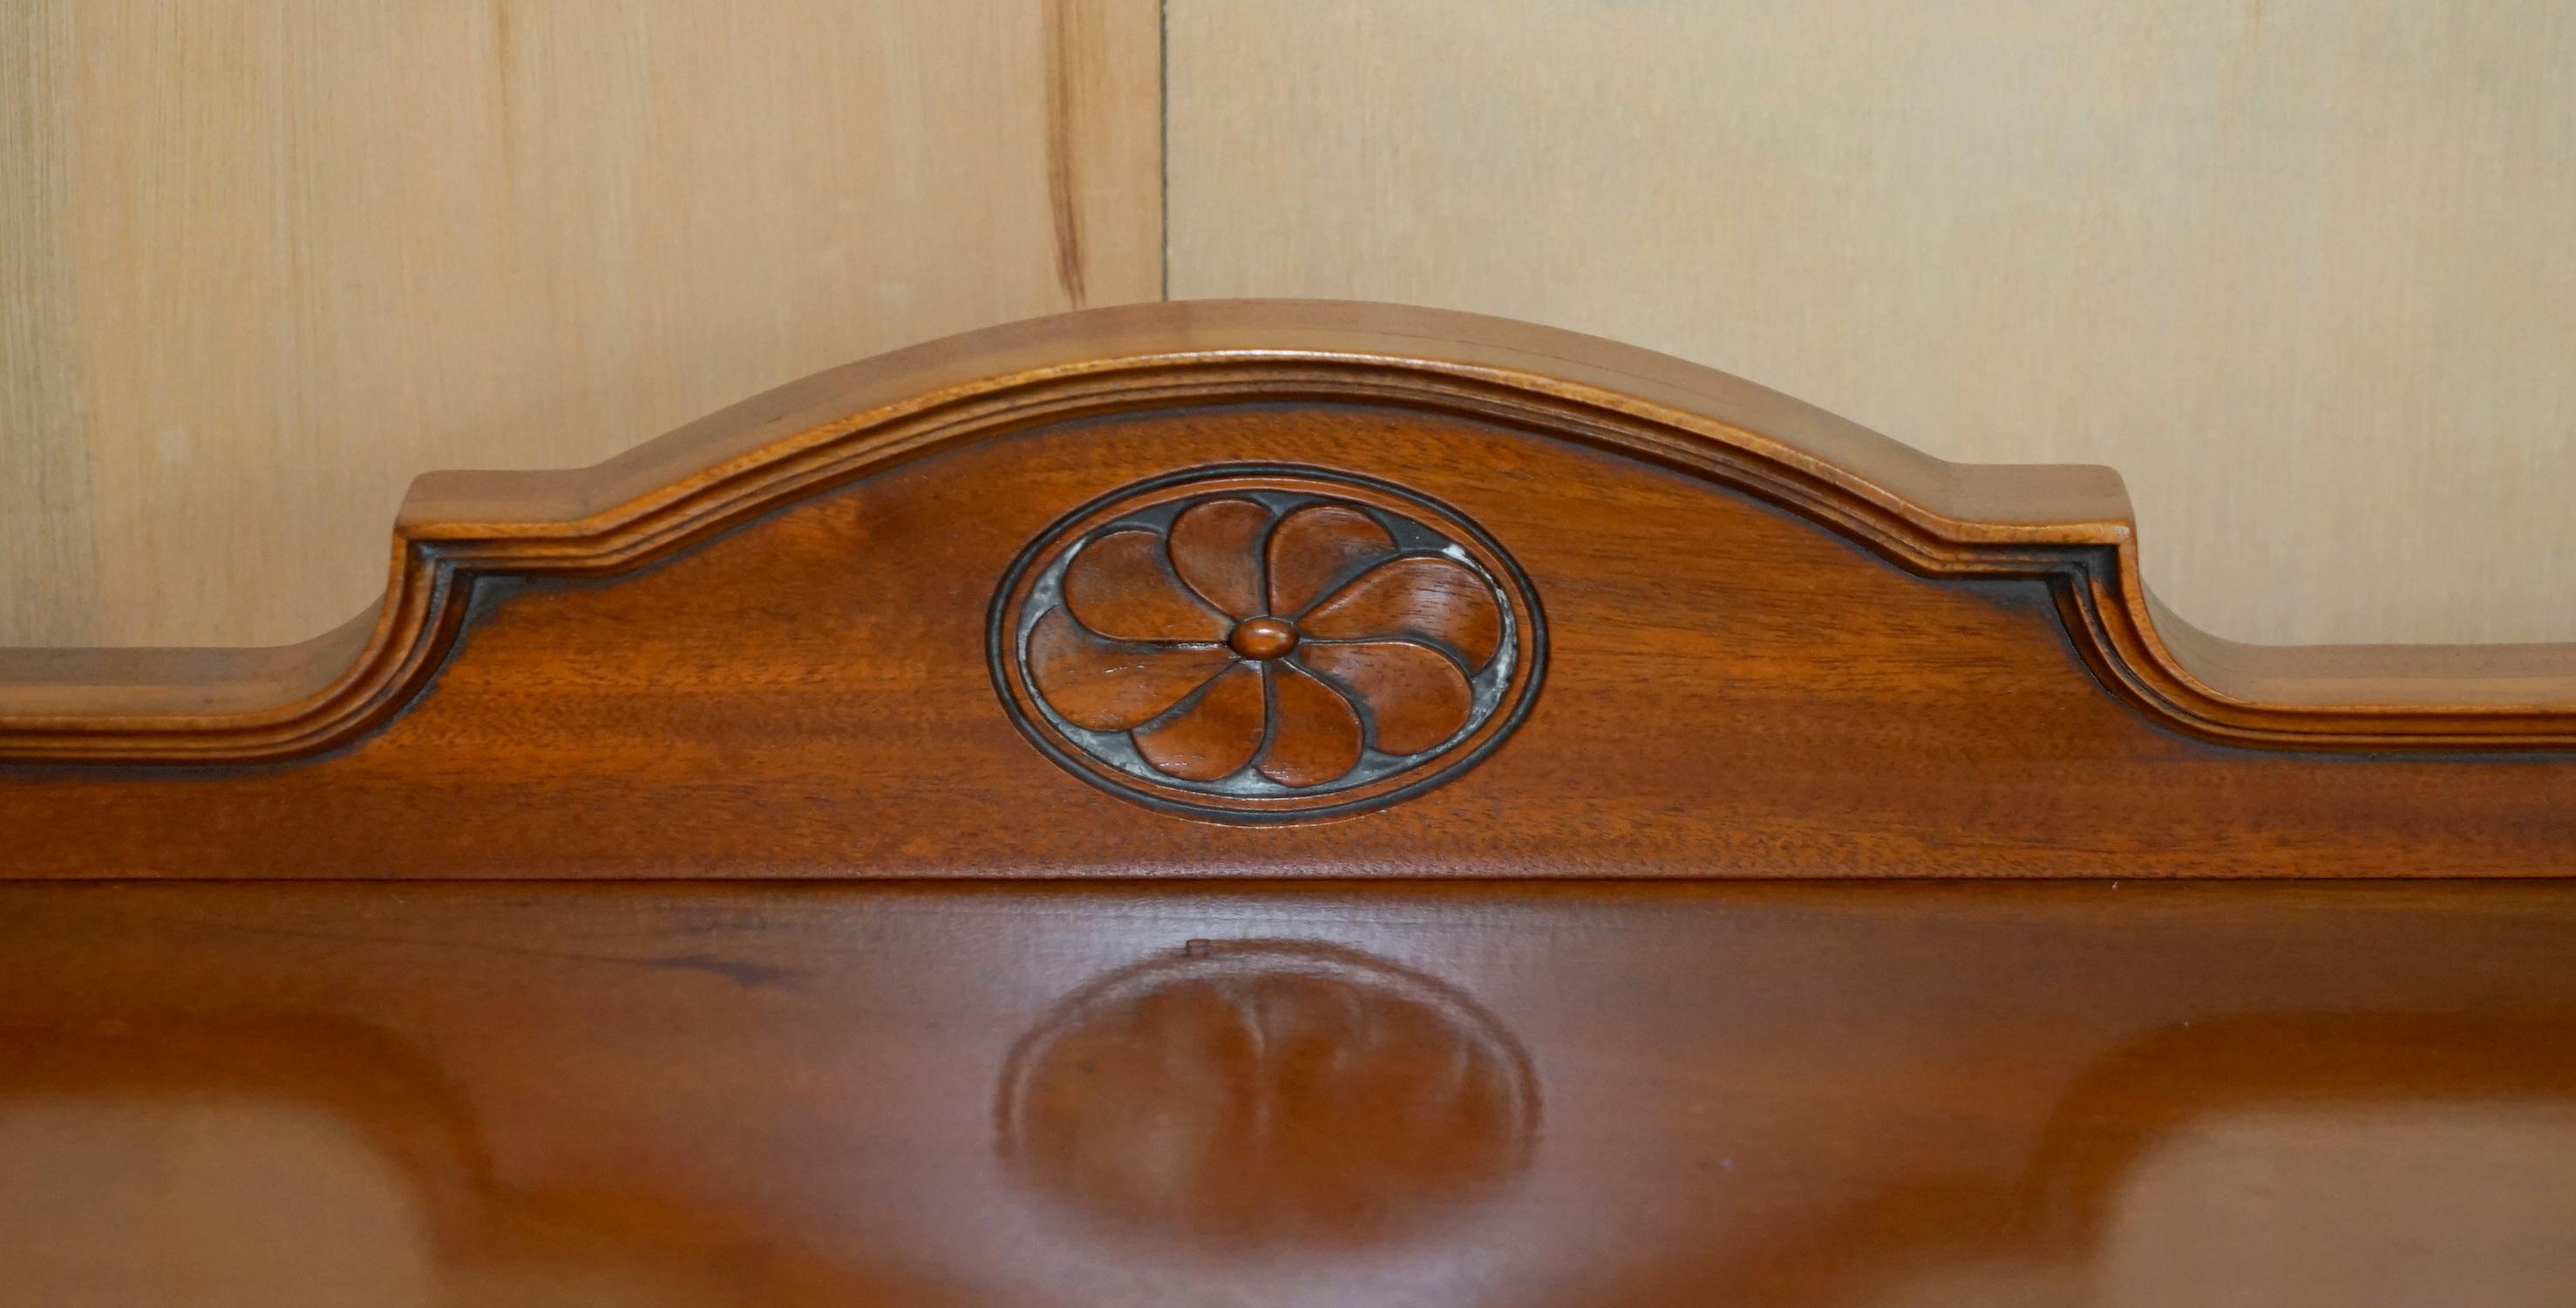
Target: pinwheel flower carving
{"x":1267,"y":642}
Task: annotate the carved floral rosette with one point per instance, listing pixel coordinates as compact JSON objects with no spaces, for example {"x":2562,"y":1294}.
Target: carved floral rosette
{"x":1255,"y":643}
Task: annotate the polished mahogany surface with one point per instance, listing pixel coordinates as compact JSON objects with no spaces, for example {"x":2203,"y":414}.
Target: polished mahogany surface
{"x":1475,"y":1094}
{"x":1729,"y":689}
{"x":1284,"y":804}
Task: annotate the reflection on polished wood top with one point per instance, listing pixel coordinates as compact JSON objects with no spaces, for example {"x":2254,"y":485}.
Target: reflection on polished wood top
{"x":1284,"y":804}
{"x":1617,"y":1094}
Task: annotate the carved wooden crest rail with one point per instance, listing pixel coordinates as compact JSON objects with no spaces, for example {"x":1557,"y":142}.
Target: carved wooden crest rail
{"x":1631,"y":616}
{"x":1284,"y":804}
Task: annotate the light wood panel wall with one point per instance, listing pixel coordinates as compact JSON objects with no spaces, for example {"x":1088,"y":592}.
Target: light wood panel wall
{"x":2298,"y":267}
{"x":2302,"y":269}
{"x":262,"y":261}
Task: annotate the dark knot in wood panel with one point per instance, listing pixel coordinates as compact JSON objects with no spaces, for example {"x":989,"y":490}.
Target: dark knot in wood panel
{"x":1268,"y":1093}
{"x":1255,"y":643}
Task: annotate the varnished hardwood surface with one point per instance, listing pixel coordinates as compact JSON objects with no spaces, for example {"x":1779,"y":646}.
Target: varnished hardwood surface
{"x":1778,"y":645}
{"x":1898,"y":1094}
{"x":1924,"y":513}
{"x":1283,"y":804}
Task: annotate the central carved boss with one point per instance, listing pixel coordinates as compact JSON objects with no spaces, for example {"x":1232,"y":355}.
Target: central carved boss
{"x":1253,"y":643}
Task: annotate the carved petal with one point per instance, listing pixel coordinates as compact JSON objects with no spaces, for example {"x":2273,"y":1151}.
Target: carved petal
{"x":1216,"y":547}
{"x":1318,"y":736}
{"x":1316,"y":546}
{"x":1422,"y":596}
{"x":1416,"y":697}
{"x":1110,"y":685}
{"x":1214,"y":736}
{"x":1119,"y":587}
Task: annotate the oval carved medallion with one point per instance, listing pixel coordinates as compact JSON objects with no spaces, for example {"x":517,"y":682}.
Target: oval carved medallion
{"x":1251,"y":643}
{"x":1266,"y":1093}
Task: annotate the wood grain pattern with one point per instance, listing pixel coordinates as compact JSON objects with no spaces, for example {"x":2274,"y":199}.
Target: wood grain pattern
{"x":263,"y":261}
{"x":2297,"y":267}
{"x":2055,"y":1097}
{"x":1780,"y":645}
{"x":594,"y":926}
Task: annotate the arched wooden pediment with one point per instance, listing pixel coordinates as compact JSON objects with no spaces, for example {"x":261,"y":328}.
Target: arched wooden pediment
{"x":1574,"y":609}
{"x":1284,"y":804}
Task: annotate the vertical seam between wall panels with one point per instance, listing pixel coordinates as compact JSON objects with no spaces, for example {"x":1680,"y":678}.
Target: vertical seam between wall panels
{"x":1163,"y":124}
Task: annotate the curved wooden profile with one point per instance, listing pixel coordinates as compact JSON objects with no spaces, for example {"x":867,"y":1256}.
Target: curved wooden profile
{"x":2071,"y":525}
